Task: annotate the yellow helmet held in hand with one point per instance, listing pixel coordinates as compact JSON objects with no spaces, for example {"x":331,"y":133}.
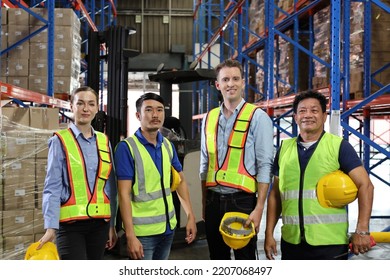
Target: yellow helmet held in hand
{"x":336,"y":190}
{"x":47,"y":252}
{"x":175,"y":179}
{"x":233,"y":230}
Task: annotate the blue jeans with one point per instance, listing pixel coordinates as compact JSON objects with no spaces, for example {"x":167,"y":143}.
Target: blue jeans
{"x":157,"y":247}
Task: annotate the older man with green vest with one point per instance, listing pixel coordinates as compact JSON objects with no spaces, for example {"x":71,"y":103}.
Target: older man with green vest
{"x":310,"y":230}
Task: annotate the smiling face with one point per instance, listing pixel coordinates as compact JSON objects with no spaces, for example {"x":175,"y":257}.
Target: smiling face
{"x":84,"y":106}
{"x":151,"y":115}
{"x":230,"y":83}
{"x":310,"y":117}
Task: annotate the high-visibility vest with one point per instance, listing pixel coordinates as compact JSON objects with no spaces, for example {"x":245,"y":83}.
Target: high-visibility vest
{"x":232,"y":173}
{"x":151,"y":198}
{"x":82,"y":204}
{"x":321,"y":226}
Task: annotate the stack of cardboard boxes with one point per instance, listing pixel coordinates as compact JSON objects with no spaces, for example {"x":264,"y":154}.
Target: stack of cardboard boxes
{"x":284,"y":56}
{"x":379,"y":56}
{"x":23,"y":142}
{"x":26,"y":65}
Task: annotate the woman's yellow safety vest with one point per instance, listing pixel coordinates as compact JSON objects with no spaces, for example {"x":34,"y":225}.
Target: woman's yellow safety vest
{"x":232,"y":173}
{"x":321,"y":226}
{"x":151,"y":199}
{"x":82,"y":204}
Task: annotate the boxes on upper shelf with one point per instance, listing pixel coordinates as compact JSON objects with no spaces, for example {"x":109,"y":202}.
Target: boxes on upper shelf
{"x":18,"y":16}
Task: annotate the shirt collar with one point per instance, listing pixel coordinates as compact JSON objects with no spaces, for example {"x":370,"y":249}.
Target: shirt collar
{"x":299,"y":138}
{"x":77,"y":132}
{"x":237,"y":109}
{"x":143,"y":140}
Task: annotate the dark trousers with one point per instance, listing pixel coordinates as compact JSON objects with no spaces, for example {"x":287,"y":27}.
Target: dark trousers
{"x":304,"y":251}
{"x":83,"y":240}
{"x":216,"y":206}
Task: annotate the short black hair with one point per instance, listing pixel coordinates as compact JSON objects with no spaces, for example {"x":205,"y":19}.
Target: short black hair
{"x":83,"y":88}
{"x":310,"y":94}
{"x":229,"y":63}
{"x":148,"y":96}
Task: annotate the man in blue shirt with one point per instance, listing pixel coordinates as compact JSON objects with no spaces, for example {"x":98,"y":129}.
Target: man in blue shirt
{"x":143,"y":168}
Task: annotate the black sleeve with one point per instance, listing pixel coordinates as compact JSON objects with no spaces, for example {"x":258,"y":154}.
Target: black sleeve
{"x":348,"y":158}
{"x":275,"y":165}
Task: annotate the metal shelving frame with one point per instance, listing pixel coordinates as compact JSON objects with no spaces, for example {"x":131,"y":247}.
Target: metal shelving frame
{"x":234,"y":17}
{"x":87,"y":11}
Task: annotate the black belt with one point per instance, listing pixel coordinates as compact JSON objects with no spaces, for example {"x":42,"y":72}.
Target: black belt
{"x":216,"y":195}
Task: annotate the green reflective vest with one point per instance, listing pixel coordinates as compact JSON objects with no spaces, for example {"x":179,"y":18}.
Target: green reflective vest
{"x":82,"y":204}
{"x":151,"y":199}
{"x":232,"y":173}
{"x":318,"y":225}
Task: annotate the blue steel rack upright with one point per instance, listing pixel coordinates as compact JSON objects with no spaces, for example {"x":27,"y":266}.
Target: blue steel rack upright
{"x":212,"y":26}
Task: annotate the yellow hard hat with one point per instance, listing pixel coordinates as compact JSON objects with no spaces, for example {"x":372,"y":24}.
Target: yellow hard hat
{"x":175,"y":179}
{"x":336,"y":190}
{"x":233,"y":230}
{"x":47,"y":252}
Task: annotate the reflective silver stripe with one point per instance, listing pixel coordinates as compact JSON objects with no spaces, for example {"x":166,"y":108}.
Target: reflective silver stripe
{"x":320,"y":219}
{"x":140,"y":167}
{"x":152,"y":220}
{"x":166,"y":144}
{"x":306,"y":194}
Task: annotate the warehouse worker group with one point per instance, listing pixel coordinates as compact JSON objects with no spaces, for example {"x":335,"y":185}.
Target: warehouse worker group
{"x":308,"y":183}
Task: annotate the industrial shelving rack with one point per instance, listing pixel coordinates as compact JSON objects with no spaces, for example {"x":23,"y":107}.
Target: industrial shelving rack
{"x":222,"y":32}
{"x":93,"y":15}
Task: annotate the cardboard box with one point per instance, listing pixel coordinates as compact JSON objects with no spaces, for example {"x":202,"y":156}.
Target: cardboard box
{"x":40,"y":171}
{"x":17,"y":222}
{"x":38,"y":84}
{"x":4,"y":38}
{"x":66,"y":68}
{"x":65,"y":84}
{"x":18,"y":81}
{"x":18,"y":16}
{"x":15,"y":247}
{"x":66,"y":34}
{"x":38,"y":196}
{"x":17,"y":144}
{"x":4,"y":12}
{"x":41,"y":139}
{"x":1,"y":245}
{"x":19,"y":173}
{"x":38,"y":222}
{"x":20,"y":52}
{"x":17,"y":33}
{"x":16,"y":115}
{"x":38,"y":50}
{"x":44,"y":118}
{"x":38,"y":67}
{"x":3,"y":69}
{"x":1,"y":202}
{"x":19,"y":197}
{"x":40,"y":37}
{"x":35,"y":21}
{"x":67,"y":17}
{"x":18,"y":67}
